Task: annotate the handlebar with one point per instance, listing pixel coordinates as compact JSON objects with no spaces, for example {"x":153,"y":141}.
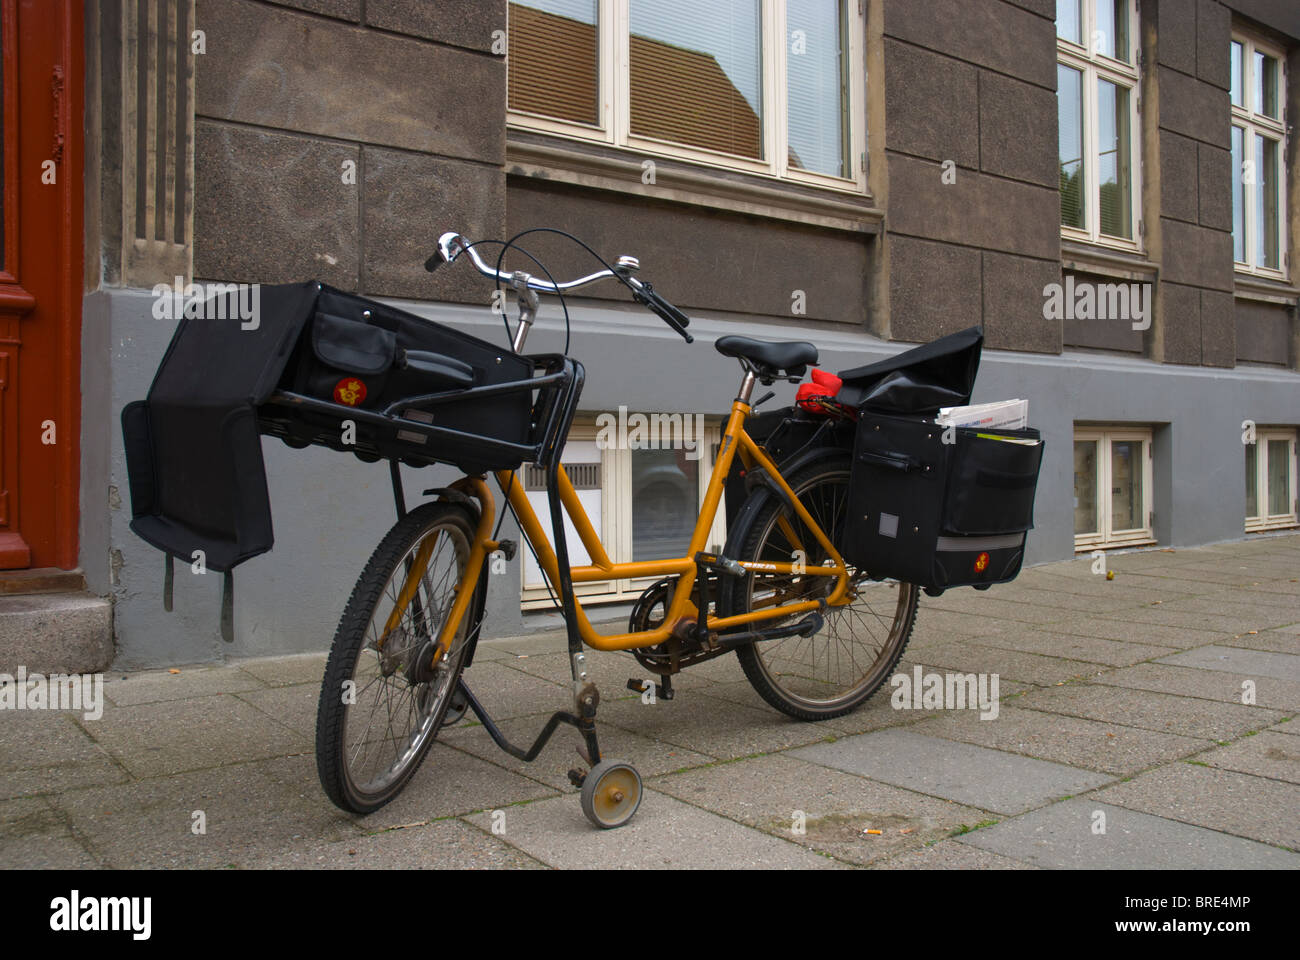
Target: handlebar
{"x":451,"y":245}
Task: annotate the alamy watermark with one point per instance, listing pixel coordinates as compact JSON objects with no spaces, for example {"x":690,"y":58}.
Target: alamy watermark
{"x":946,"y":691}
{"x":209,"y":301}
{"x":1084,"y":300}
{"x":654,"y":431}
{"x":60,"y":691}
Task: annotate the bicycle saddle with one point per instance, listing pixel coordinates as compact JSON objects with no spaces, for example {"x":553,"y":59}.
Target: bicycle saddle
{"x":792,"y":356}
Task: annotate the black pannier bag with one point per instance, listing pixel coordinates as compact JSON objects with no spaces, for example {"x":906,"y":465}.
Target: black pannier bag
{"x":922,"y":510}
{"x":940,"y":514}
{"x":193,"y":446}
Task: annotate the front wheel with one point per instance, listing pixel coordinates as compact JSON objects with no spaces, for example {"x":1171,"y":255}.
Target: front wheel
{"x":384,"y":696}
{"x":834,"y":671}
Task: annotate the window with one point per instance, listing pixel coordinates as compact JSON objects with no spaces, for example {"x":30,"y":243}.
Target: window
{"x":1097,"y":101}
{"x":1271,"y":481}
{"x":1258,"y":161}
{"x":1112,"y":487}
{"x":643,"y":503}
{"x":772,"y":87}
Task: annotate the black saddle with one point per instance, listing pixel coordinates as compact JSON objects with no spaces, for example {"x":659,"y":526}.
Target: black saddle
{"x":770,"y":359}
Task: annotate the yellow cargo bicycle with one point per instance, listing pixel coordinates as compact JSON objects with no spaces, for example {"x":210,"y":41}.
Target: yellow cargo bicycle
{"x":816,"y":637}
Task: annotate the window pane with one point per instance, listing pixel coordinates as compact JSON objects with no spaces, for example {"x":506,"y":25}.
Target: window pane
{"x":1115,"y":160}
{"x":1069,"y":97}
{"x":1266,"y":207}
{"x":1279,"y":478}
{"x":1238,"y":83}
{"x":1265,"y":85}
{"x":665,"y":503}
{"x":696,"y":74}
{"x":1110,"y":38}
{"x":553,"y":59}
{"x":1126,"y":485}
{"x":1252,"y":480}
{"x":1085,"y":486}
{"x":816,"y":86}
{"x":1069,"y":24}
{"x":1238,"y":196}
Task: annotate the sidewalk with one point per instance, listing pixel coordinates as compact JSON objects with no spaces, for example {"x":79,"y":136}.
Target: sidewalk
{"x":1121,"y":706}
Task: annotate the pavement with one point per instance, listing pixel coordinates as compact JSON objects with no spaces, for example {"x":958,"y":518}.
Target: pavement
{"x":1147,"y":720}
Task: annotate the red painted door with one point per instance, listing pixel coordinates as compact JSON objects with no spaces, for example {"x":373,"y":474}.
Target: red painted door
{"x":42,"y":74}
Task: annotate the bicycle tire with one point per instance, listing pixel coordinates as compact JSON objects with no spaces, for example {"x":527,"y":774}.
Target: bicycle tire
{"x":822,"y":487}
{"x":388,"y":564}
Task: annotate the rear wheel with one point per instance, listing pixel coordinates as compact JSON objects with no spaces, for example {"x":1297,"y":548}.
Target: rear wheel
{"x":383,"y":697}
{"x":834,"y":671}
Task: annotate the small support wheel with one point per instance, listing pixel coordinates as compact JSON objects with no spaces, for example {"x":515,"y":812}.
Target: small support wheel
{"x":611,"y":793}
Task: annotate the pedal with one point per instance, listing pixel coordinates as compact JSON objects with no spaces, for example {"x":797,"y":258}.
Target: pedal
{"x":508,"y":547}
{"x":577,"y":777}
{"x":663,"y":691}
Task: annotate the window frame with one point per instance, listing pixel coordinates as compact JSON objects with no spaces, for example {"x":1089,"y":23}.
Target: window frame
{"x":1265,"y":520}
{"x":614,"y":525}
{"x":1254,"y":124}
{"x":1105,"y":537}
{"x":614,"y":128}
{"x":1096,"y":66}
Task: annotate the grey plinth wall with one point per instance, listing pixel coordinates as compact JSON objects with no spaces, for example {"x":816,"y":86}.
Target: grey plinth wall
{"x":331,"y":510}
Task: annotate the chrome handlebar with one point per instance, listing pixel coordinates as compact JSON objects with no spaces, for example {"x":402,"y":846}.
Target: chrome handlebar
{"x":452,"y":244}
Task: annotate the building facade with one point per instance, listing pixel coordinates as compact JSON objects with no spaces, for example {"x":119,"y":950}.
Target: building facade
{"x":1108,"y":187}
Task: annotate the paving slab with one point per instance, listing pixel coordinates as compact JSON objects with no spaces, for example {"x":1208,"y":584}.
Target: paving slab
{"x":1206,"y":719}
{"x":951,"y":855}
{"x":665,"y":834}
{"x":1087,"y":744}
{"x":821,"y":808}
{"x":560,"y":753}
{"x":872,"y":715}
{"x":155,"y":739}
{"x":126,"y":690}
{"x":56,"y":849}
{"x":1222,"y":800}
{"x":1049,"y":642}
{"x":151,"y":823}
{"x":48,"y":751}
{"x":1007,"y":664}
{"x":1266,"y":754}
{"x":295,"y":707}
{"x":713,"y":726}
{"x":1111,"y":626}
{"x":506,"y":692}
{"x":1187,"y":621}
{"x":973,"y":775}
{"x":1281,"y":666}
{"x":1204,"y":684}
{"x":441,"y":845}
{"x":449,"y":783}
{"x":286,"y":670}
{"x":609,"y":671}
{"x":1062,"y":837}
{"x":1276,"y":640}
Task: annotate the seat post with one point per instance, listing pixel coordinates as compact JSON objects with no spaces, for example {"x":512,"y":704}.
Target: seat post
{"x":746,"y":386}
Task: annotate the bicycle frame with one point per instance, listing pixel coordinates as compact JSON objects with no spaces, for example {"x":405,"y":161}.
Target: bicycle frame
{"x":735,"y":441}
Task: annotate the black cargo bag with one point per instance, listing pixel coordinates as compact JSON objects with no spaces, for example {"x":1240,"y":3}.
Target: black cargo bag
{"x":368,"y":356}
{"x":193,"y":446}
{"x":940,"y":514}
